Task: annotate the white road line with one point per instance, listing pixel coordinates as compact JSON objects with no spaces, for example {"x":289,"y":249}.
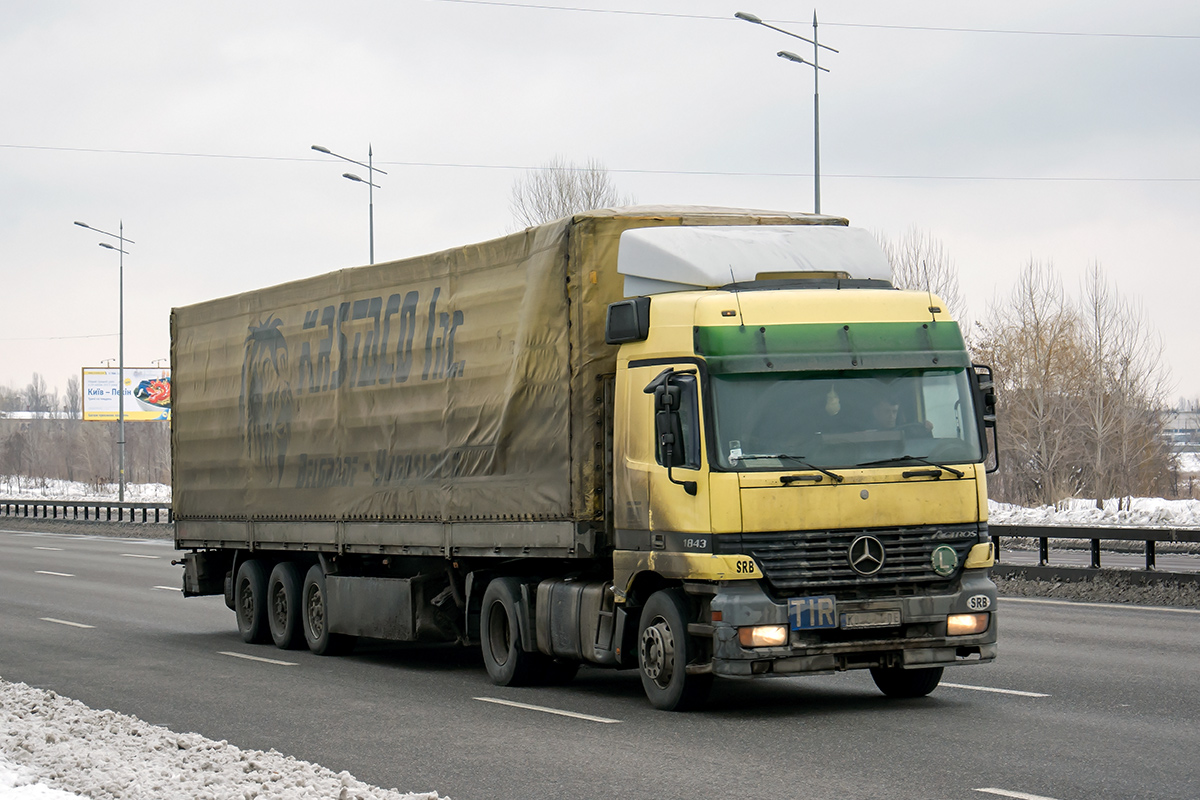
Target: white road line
{"x":557,"y":711}
{"x":65,"y":622}
{"x":56,"y":549}
{"x":137,"y":555}
{"x":263,"y":660}
{"x":56,"y":574}
{"x":1016,"y":795}
{"x":1122,"y":606}
{"x":990,"y":689}
{"x":166,"y":588}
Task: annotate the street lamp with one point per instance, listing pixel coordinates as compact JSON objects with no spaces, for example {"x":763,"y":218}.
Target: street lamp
{"x":370,"y":182}
{"x":120,"y":237}
{"x":817,"y":70}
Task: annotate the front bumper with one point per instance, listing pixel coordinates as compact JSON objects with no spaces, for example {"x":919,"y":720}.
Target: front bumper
{"x":919,"y":641}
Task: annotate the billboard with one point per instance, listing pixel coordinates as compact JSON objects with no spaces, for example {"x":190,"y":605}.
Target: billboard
{"x":147,"y":393}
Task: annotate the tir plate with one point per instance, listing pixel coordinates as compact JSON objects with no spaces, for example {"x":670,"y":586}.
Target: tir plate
{"x":810,"y":613}
{"x":871,"y":619}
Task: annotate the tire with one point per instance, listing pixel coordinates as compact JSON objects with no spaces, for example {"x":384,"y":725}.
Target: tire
{"x":284,"y":607}
{"x":664,"y":651}
{"x":896,"y":682}
{"x":315,"y":616}
{"x":500,"y":640}
{"x":249,"y":602}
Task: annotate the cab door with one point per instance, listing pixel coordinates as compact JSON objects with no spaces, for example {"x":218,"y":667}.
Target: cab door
{"x":655,"y":478}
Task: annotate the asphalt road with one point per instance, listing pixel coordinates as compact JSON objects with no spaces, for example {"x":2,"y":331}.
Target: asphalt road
{"x":1085,"y":701}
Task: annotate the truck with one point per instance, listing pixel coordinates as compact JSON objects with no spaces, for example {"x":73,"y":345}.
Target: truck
{"x":697,"y":442}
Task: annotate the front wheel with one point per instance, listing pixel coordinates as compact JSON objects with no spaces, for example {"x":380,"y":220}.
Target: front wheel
{"x":664,"y":650}
{"x":896,"y":682}
{"x":315,"y":603}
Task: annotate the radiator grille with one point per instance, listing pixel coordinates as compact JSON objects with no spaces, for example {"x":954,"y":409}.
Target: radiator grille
{"x":808,"y":561}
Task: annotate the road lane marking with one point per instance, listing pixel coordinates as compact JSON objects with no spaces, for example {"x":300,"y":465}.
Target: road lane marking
{"x":990,"y":689}
{"x":56,"y":549}
{"x":56,"y":574}
{"x":166,"y":588}
{"x":546,"y":710}
{"x":257,"y":658}
{"x":1123,"y":606}
{"x":65,"y":622}
{"x":137,"y":555}
{"x":1015,"y":795}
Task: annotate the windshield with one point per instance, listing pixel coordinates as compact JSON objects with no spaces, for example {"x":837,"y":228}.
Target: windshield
{"x":843,"y":419}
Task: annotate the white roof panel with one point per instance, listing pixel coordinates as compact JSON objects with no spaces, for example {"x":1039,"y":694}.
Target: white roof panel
{"x":678,"y":258}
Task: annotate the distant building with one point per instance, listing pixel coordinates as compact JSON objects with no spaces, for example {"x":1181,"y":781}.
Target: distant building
{"x":1182,"y":429}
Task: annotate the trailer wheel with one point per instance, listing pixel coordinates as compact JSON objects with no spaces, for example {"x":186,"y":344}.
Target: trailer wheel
{"x":249,"y":602}
{"x":896,"y":682}
{"x":500,"y":637}
{"x":313,"y":600}
{"x":664,"y":650}
{"x":284,"y":607}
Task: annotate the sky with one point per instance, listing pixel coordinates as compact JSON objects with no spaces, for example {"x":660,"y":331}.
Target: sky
{"x":1066,"y":133}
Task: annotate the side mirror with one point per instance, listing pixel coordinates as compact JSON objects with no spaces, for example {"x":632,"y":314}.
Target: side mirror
{"x":984,"y":392}
{"x":668,"y":426}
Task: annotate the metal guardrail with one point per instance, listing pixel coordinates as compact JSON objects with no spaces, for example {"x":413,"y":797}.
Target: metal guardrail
{"x":90,"y":510}
{"x":151,"y":513}
{"x":1044,"y":533}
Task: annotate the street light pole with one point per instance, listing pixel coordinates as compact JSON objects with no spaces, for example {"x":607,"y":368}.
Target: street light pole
{"x":817,"y":70}
{"x":370,"y":182}
{"x":120,"y":237}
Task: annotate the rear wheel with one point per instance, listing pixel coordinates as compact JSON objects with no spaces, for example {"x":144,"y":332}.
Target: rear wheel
{"x":896,"y":682}
{"x":664,"y":650}
{"x":284,"y":607}
{"x":500,"y":641}
{"x":314,"y":601}
{"x":249,"y":602}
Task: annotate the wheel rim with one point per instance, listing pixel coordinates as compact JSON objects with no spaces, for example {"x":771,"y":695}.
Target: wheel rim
{"x":316,"y":613}
{"x":499,"y":634}
{"x":658,"y":652}
{"x":246,"y":604}
{"x":279,"y":605}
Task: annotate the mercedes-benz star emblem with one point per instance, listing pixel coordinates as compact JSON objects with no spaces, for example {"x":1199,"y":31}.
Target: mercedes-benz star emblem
{"x":866,"y":555}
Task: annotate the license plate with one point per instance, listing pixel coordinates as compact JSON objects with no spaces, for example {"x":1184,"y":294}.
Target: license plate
{"x":809,"y":613}
{"x":871,"y":619}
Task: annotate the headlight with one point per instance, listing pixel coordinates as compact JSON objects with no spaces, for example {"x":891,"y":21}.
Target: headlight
{"x":966,"y":624}
{"x":763,"y":636}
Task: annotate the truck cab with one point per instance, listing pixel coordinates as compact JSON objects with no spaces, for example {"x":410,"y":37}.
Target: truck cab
{"x":799,"y":466}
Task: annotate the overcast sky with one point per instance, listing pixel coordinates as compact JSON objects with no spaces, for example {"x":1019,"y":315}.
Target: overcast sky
{"x":1064,"y":132}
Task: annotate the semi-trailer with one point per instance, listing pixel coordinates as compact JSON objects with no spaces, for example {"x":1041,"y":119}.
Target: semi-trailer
{"x":698,"y":442}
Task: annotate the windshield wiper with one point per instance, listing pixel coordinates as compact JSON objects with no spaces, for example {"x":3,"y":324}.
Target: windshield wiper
{"x":955,"y":472}
{"x":795,"y":459}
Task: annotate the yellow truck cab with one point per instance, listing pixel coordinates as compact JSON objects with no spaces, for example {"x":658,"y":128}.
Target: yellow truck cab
{"x":803,"y":450}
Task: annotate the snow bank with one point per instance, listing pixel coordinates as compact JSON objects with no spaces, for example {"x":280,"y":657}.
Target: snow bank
{"x":1141,"y":512}
{"x":18,"y":487}
{"x":51,"y":745}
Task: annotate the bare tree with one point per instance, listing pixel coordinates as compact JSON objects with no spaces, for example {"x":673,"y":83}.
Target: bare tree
{"x":560,"y":189}
{"x":1082,"y":392}
{"x":38,"y":398}
{"x":73,"y":399}
{"x":919,"y":261}
{"x":1032,"y":343}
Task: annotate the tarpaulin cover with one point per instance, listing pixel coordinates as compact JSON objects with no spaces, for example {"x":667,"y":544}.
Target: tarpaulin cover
{"x":462,"y":385}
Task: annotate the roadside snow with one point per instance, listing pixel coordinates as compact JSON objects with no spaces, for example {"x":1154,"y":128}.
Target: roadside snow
{"x":17,"y":487}
{"x":1141,"y":512}
{"x":51,"y":746}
